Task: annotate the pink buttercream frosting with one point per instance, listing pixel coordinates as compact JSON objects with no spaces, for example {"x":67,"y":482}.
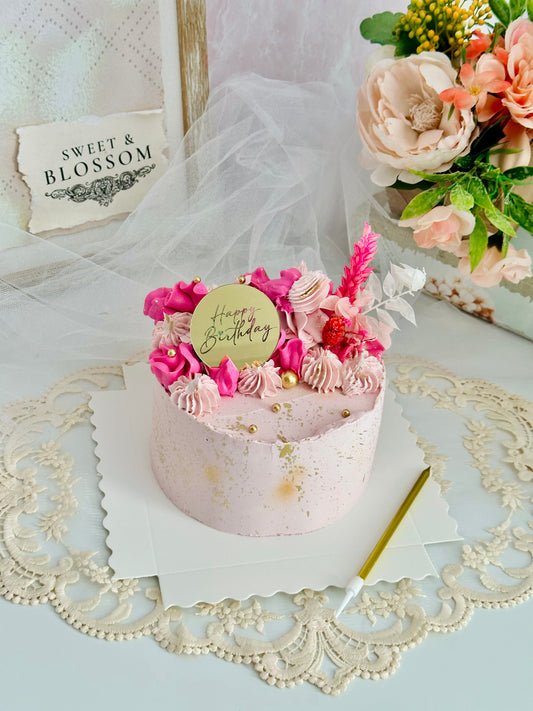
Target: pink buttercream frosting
{"x":260,"y":380}
{"x":173,"y":330}
{"x":308,"y":292}
{"x":197,"y":395}
{"x":321,"y":369}
{"x":361,"y":374}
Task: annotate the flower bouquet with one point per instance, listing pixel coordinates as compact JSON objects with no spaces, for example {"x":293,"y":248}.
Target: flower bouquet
{"x":446,"y":120}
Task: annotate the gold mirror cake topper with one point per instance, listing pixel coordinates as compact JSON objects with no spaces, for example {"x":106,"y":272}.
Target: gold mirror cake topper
{"x":237,"y":321}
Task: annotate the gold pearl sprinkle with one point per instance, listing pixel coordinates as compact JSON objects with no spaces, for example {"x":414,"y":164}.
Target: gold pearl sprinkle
{"x":197,"y":280}
{"x":252,"y":429}
{"x":346,"y":413}
{"x":171,"y":353}
{"x":289,"y":379}
{"x":242,"y":279}
{"x":276,"y":407}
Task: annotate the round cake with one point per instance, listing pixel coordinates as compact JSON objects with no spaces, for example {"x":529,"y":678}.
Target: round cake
{"x":269,"y":396}
{"x":286,"y":464}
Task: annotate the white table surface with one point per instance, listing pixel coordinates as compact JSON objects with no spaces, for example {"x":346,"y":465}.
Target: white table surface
{"x":46,"y":664}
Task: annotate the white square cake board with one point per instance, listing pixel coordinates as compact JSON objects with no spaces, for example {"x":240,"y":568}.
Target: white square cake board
{"x":149,"y":536}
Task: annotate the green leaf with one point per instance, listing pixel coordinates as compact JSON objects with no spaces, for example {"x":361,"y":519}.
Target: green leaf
{"x":423,"y":202}
{"x":477,"y":243}
{"x":519,"y":175}
{"x":520,"y":211}
{"x":529,"y":6}
{"x":437,"y":177}
{"x":501,"y":9}
{"x":479,"y":193}
{"x":461,"y":198}
{"x":505,"y":245}
{"x":517,"y":8}
{"x":380,"y":28}
{"x":499,"y":220}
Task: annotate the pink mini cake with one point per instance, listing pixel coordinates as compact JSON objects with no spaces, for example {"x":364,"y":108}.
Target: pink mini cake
{"x":278,"y":445}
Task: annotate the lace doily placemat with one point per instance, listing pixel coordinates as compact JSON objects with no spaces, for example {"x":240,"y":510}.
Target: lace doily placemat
{"x":52,"y":541}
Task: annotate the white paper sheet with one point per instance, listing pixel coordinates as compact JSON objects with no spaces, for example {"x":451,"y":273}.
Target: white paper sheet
{"x":149,"y":536}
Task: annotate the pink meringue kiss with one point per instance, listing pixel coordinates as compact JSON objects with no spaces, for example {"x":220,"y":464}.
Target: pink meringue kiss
{"x":308,"y":292}
{"x":197,"y":395}
{"x":362,"y":374}
{"x":321,"y":369}
{"x":260,"y":380}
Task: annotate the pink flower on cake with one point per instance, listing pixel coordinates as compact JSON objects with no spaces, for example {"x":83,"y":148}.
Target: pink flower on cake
{"x":362,"y":374}
{"x":197,"y":395}
{"x":275,"y":289}
{"x":226,"y":377}
{"x":492,"y":268}
{"x":443,"y":226}
{"x":290,"y":354}
{"x":321,"y":369}
{"x":168,"y":364}
{"x":154,"y":303}
{"x":260,"y":380}
{"x":185,"y":297}
{"x":306,"y":327}
{"x":172,"y":330}
{"x":403,"y":123}
{"x":308,"y":292}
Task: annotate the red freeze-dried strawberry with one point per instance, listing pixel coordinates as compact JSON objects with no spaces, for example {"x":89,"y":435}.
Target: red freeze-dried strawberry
{"x":333,"y":331}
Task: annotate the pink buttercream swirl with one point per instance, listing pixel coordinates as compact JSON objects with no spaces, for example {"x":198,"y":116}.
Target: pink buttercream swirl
{"x":197,"y":395}
{"x":321,"y":369}
{"x":308,"y":292}
{"x":362,"y":374}
{"x":173,"y":330}
{"x":260,"y":380}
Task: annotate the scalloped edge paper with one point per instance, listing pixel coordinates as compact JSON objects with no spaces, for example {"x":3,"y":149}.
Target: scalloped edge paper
{"x":149,"y":536}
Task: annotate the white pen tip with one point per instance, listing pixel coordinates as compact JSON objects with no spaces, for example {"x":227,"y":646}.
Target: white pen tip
{"x":344,"y":604}
{"x":352,"y":589}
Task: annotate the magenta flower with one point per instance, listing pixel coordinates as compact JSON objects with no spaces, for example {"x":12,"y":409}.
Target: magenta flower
{"x":275,"y":289}
{"x":154,"y":303}
{"x":168,"y":364}
{"x":290,"y":354}
{"x":225,"y":376}
{"x":185,"y":297}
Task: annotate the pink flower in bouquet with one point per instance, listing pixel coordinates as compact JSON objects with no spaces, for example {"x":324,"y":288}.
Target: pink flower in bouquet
{"x":488,"y":77}
{"x":519,"y":96}
{"x":478,"y":45}
{"x":492,"y":268}
{"x":517,"y":141}
{"x":403,"y":122}
{"x":443,"y":226}
{"x":168,"y":364}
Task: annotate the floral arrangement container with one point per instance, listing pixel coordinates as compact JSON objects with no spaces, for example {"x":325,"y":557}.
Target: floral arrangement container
{"x":445,"y":117}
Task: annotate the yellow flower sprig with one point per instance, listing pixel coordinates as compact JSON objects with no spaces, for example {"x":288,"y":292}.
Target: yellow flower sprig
{"x":440,"y":25}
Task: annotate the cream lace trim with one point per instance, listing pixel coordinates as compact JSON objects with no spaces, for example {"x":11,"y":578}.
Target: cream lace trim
{"x":52,"y":543}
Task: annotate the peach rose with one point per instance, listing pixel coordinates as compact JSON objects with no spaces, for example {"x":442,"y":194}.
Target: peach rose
{"x":403,"y":123}
{"x":519,"y":96}
{"x":492,"y":268}
{"x":443,"y":226}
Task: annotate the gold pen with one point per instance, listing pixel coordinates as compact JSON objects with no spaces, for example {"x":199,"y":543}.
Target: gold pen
{"x":356,"y":583}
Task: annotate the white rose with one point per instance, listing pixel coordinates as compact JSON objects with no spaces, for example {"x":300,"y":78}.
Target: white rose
{"x":404,"y":124}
